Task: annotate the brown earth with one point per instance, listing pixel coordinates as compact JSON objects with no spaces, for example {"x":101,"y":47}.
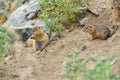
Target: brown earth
{"x":48,"y":64}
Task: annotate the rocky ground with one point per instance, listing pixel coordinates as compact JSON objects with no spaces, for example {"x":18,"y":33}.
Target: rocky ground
{"x":27,"y":64}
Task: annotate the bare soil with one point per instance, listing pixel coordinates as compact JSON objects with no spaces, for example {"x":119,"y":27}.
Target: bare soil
{"x":27,"y":64}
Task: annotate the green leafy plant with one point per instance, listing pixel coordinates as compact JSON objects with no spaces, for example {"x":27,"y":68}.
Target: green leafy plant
{"x":4,"y":37}
{"x":74,"y":67}
{"x":55,"y":13}
{"x":77,"y":69}
{"x":100,"y":70}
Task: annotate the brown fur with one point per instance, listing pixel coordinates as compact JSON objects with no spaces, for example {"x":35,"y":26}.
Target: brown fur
{"x":39,"y":38}
{"x":29,"y":43}
{"x":35,"y":29}
{"x":98,"y":32}
{"x":37,"y":33}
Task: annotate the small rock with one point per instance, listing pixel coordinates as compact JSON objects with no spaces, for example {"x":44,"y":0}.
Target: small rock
{"x":9,"y":58}
{"x":2,"y":4}
{"x":67,"y":31}
{"x":32,"y":16}
{"x":19,"y":20}
{"x":51,"y":51}
{"x":62,"y":41}
{"x":15,"y":76}
{"x":82,"y":48}
{"x":113,"y":62}
{"x":94,"y":12}
{"x":84,"y":21}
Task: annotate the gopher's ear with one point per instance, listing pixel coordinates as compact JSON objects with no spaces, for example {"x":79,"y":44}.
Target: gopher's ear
{"x":37,"y":27}
{"x":90,"y":26}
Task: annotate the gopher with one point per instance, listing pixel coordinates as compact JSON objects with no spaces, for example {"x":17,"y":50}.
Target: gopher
{"x":38,"y":40}
{"x":98,"y":32}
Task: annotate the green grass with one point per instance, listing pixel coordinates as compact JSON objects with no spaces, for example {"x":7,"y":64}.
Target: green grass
{"x":4,"y":37}
{"x":57,"y":12}
{"x":77,"y":69}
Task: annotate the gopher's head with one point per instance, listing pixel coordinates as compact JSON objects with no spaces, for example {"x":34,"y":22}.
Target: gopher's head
{"x":35,"y":29}
{"x":37,"y":33}
{"x":88,"y":29}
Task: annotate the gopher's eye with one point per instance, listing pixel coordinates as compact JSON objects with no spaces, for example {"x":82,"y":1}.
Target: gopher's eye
{"x":86,"y":28}
{"x":90,"y":27}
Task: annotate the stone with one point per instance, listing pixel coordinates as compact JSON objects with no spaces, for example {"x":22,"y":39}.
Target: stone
{"x":83,"y":47}
{"x":2,"y":4}
{"x":32,"y":16}
{"x":19,"y":16}
{"x":84,"y":21}
{"x":24,"y":32}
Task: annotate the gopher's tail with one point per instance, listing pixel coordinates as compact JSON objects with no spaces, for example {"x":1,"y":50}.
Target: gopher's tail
{"x":114,"y":29}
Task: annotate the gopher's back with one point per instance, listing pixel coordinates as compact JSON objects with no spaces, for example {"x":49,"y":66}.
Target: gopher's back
{"x":97,"y":32}
{"x":103,"y":30}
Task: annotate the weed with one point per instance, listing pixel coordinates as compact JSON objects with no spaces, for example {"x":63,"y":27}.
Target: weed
{"x":53,"y":12}
{"x":74,"y":67}
{"x":77,"y":69}
{"x":100,"y":70}
{"x":4,"y":37}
